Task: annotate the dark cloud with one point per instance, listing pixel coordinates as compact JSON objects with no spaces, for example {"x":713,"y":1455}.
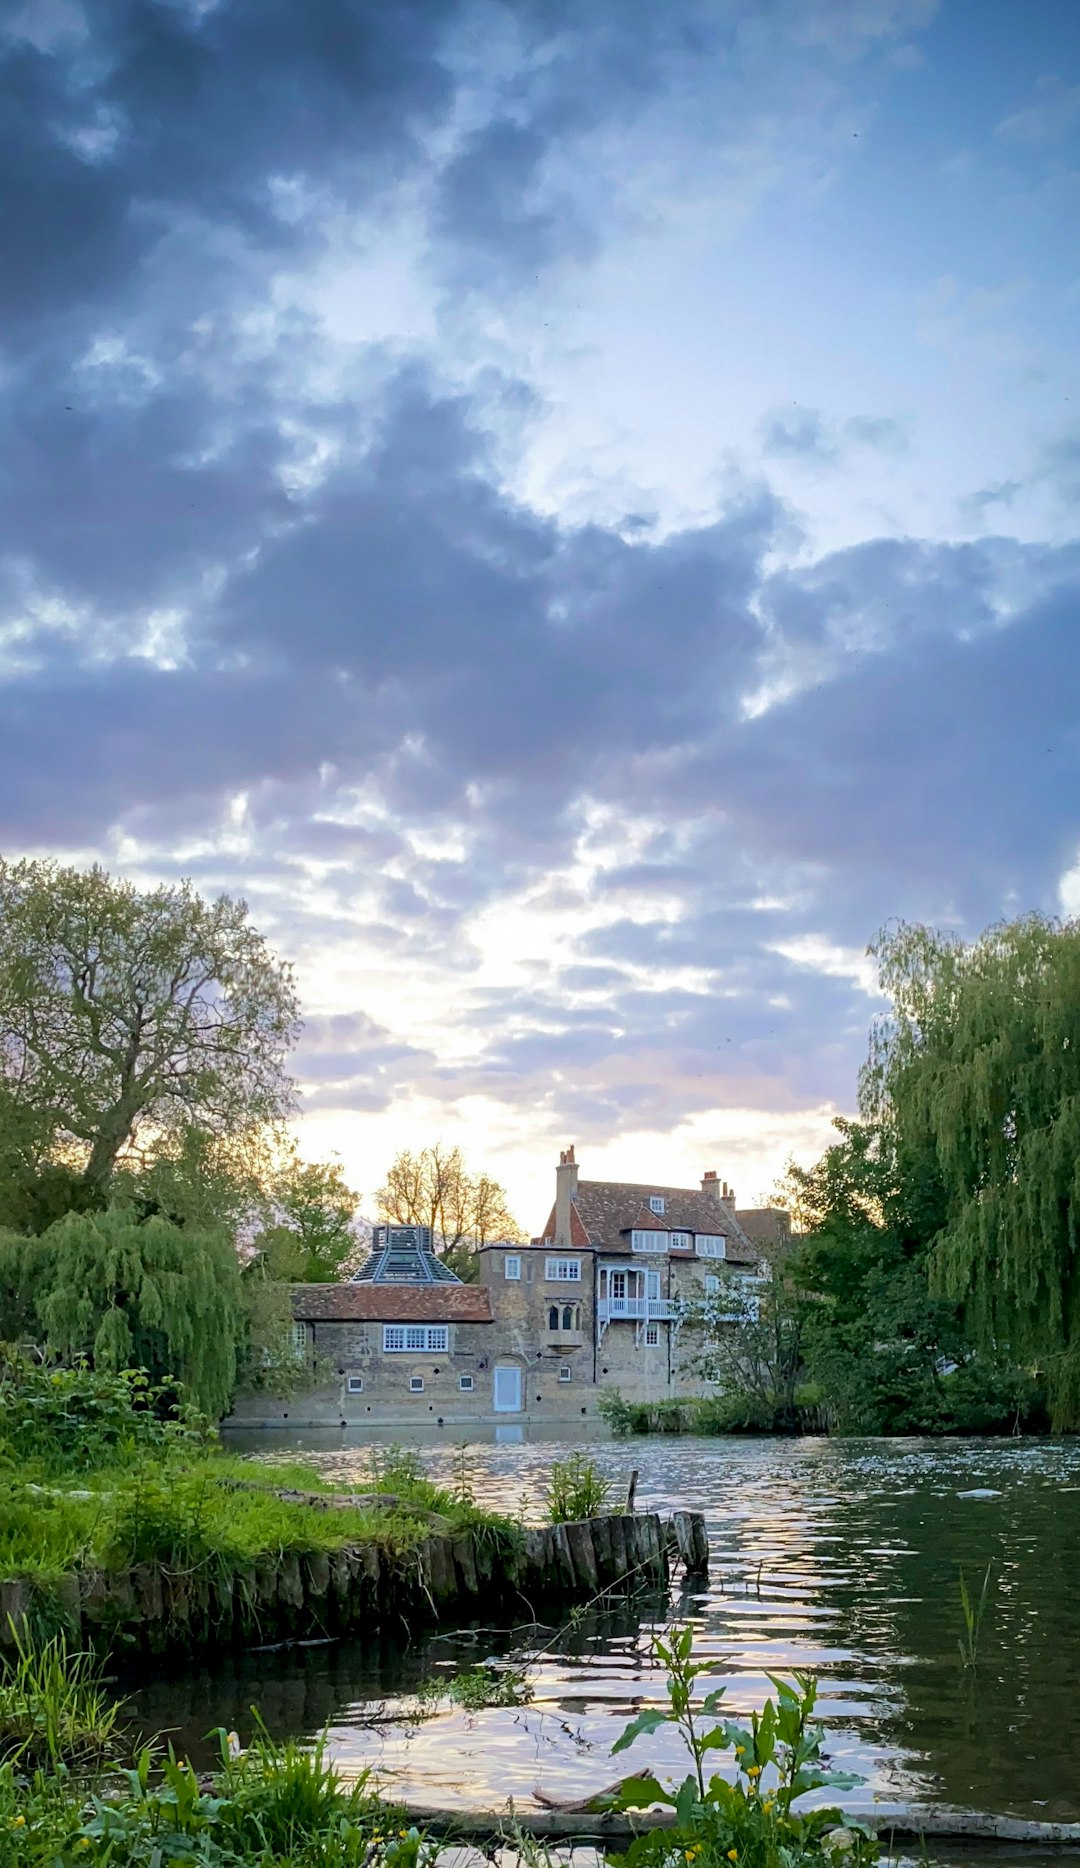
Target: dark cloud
{"x":230,"y":112}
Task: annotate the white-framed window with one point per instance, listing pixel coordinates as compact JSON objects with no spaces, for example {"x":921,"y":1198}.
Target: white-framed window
{"x":712,"y":1284}
{"x":564,"y":1372}
{"x":562,"y":1270}
{"x":643,"y":1240}
{"x":400,"y":1337}
{"x":681,"y":1240}
{"x":465,"y":1383}
{"x":656,"y":1203}
{"x":652,"y":1335}
{"x":298,"y":1338}
{"x":711,"y":1245}
{"x":512,"y":1266}
{"x":355,"y":1384}
{"x":416,"y":1384}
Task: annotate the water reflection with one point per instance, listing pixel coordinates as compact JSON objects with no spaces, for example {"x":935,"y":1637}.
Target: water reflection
{"x":843,"y":1557}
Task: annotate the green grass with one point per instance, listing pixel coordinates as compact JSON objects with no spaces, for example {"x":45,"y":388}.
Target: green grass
{"x":188,"y":1509}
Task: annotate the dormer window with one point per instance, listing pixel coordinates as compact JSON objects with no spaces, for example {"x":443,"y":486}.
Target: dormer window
{"x":656,"y":1203}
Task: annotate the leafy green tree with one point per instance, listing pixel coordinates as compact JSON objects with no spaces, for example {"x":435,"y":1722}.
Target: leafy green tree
{"x":977,"y":1068}
{"x":312,"y":1241}
{"x":131,"y":1017}
{"x":749,"y":1345}
{"x":122,"y":1293}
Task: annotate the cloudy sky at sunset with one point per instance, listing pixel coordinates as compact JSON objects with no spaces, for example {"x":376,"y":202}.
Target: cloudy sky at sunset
{"x":570,"y":507}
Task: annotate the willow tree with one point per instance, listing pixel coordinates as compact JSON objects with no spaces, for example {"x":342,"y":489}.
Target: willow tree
{"x":977,"y":1066}
{"x":128,"y":1293}
{"x":129,"y":1015}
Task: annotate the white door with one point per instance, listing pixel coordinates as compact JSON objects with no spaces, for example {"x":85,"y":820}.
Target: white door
{"x":617,"y":1285}
{"x":507,"y":1391}
{"x":652,"y":1290}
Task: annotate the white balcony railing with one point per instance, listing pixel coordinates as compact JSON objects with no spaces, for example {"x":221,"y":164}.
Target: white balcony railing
{"x":634,"y":1309}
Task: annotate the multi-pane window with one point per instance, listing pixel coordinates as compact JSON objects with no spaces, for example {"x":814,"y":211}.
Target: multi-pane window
{"x":711,"y":1245}
{"x":399,"y":1337}
{"x":643,"y":1239}
{"x":652,"y":1335}
{"x":298,"y":1338}
{"x":656,"y":1203}
{"x":681,"y":1240}
{"x":564,"y":1316}
{"x":512,"y":1266}
{"x":712,"y":1285}
{"x":562,"y":1270}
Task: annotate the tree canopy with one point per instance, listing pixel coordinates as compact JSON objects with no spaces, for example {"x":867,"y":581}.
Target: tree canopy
{"x":311,"y":1239}
{"x":976,"y":1071}
{"x":131,"y":1016}
{"x":125,"y":1292}
{"x":433,"y":1187}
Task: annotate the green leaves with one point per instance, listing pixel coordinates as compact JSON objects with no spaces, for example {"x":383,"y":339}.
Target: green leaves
{"x":645,"y":1723}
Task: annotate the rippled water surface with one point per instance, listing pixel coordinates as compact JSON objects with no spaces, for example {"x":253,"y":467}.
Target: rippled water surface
{"x":840,"y":1556}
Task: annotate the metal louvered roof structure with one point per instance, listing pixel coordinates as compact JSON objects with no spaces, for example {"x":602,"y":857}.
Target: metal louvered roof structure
{"x":403,"y":1255}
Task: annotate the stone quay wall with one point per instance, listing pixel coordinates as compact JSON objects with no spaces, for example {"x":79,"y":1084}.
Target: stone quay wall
{"x":360,"y":1588}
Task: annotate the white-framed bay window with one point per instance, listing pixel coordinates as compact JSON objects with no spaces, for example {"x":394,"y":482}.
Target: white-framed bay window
{"x":710,"y":1245}
{"x":405,"y":1338}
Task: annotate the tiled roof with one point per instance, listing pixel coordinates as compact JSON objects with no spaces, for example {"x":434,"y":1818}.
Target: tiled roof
{"x":605,"y":1210}
{"x":765,"y":1225}
{"x":389,"y":1303}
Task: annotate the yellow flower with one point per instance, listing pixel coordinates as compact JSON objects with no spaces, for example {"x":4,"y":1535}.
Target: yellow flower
{"x":753,"y":1770}
{"x":733,"y":1855}
{"x":18,"y":1822}
{"x":767,"y":1805}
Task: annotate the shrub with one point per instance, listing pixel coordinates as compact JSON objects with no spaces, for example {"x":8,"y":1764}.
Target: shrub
{"x":76,"y":1418}
{"x":752,"y":1821}
{"x":575,"y":1489}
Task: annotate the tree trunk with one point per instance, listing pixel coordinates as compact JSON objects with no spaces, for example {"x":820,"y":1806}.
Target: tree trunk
{"x":115,"y":1130}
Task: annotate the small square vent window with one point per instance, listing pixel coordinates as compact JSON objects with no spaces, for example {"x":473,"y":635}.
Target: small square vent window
{"x":465,"y":1383}
{"x":564,"y":1373}
{"x":416,"y":1384}
{"x":355,"y":1384}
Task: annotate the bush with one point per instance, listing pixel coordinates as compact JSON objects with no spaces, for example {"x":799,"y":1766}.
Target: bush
{"x":575,"y":1490}
{"x":72,"y":1419}
{"x":752,"y":1821}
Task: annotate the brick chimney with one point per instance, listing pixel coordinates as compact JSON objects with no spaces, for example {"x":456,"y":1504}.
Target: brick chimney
{"x":710,"y":1184}
{"x":565,"y":1191}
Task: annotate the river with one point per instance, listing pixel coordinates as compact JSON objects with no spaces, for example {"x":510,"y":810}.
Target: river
{"x":840,"y":1556}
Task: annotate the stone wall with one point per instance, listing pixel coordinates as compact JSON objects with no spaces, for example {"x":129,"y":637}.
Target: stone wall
{"x":360,"y":1588}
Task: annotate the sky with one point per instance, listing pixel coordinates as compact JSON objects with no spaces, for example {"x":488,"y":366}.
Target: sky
{"x":570,"y":507}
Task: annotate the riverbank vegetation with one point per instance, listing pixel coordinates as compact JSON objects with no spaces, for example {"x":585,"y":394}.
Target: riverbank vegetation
{"x":110,"y":1471}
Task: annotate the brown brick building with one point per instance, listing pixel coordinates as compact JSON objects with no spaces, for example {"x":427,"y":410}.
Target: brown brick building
{"x":598,"y":1300}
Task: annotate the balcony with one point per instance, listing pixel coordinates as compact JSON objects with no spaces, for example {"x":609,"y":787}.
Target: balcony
{"x":634,"y":1309}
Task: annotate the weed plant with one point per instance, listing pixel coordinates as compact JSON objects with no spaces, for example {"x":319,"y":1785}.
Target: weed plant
{"x":972,"y":1611}
{"x":575,"y":1490}
{"x":54,"y":1712}
{"x":750,"y":1820}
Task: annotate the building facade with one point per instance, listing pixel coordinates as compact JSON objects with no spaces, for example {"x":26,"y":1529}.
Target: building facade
{"x":600,"y":1299}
